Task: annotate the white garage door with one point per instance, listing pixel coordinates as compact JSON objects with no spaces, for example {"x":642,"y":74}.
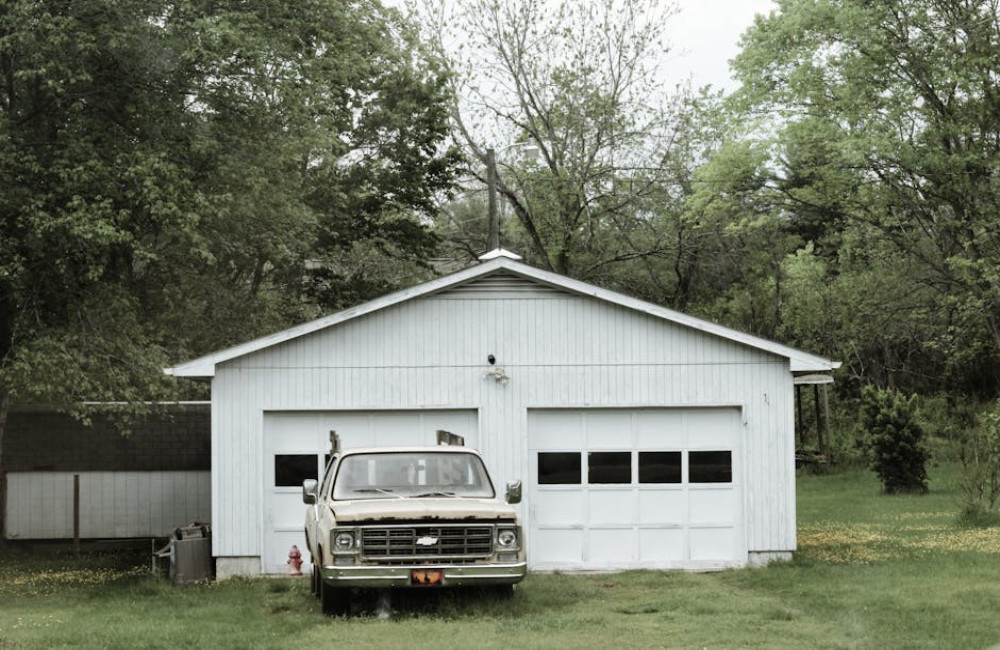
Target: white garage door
{"x":296,"y":446}
{"x":643,"y":488}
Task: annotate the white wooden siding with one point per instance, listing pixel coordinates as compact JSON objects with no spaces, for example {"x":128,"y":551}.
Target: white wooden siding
{"x":558,"y":350}
{"x":448,"y":332}
{"x":112,"y":504}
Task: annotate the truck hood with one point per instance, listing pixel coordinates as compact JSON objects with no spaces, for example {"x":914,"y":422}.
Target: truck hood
{"x":385,"y":510}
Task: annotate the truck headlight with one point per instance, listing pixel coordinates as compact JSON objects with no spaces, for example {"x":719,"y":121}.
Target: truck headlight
{"x":343,"y":541}
{"x":507,"y":538}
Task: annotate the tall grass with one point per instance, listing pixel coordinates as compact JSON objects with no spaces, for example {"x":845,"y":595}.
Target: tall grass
{"x":873,"y":571}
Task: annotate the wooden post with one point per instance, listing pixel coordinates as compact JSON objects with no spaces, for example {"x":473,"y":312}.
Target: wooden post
{"x":827,"y":450}
{"x":819,"y":430}
{"x":494,"y":215}
{"x":798,"y":408}
{"x":819,"y":421}
{"x":76,"y":515}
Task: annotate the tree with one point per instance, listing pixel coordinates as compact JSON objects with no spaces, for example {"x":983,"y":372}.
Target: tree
{"x":179,"y":176}
{"x":893,"y":440}
{"x":741,"y":264}
{"x":591,"y":151}
{"x":979,"y":480}
{"x":887,"y":146}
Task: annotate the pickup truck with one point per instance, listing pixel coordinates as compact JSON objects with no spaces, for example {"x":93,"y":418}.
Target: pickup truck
{"x":410,"y":517}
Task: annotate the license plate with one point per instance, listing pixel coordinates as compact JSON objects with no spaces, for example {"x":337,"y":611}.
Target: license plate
{"x":428,"y":577}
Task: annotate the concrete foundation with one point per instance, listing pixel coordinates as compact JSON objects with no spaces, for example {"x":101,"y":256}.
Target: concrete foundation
{"x":763,"y":558}
{"x":232,"y":567}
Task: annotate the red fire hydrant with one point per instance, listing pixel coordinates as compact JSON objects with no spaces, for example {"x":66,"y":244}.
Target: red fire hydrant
{"x":295,"y":561}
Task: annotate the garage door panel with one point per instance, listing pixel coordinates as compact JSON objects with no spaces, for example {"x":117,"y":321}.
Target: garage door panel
{"x":287,"y":510}
{"x":712,"y":544}
{"x":559,"y":507}
{"x":611,"y":546}
{"x":662,"y":507}
{"x":379,"y":428}
{"x":711,"y":427}
{"x":611,"y":507}
{"x":661,"y":545}
{"x":295,"y":430}
{"x":401,"y":428}
{"x":659,"y":430}
{"x":609,"y":430}
{"x":398,"y":438}
{"x":557,"y":430}
{"x":712,"y":506}
{"x":557,"y":547}
{"x":354,"y":429}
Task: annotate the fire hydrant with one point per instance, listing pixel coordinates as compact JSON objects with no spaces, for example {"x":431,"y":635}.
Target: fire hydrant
{"x":295,"y":561}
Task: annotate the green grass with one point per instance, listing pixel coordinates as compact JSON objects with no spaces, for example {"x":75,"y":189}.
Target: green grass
{"x":873,"y":571}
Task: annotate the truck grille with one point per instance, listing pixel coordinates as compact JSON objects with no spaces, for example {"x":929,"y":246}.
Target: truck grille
{"x":436,"y":542}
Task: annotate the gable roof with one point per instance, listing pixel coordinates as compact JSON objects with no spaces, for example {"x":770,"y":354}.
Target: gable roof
{"x":502,"y":263}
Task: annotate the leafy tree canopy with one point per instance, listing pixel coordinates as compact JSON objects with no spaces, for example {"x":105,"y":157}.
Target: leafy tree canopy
{"x":176,"y":176}
{"x":887,"y":141}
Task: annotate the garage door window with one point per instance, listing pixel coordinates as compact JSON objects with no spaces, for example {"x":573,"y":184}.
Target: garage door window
{"x":659,"y":467}
{"x":559,"y":468}
{"x":615,"y":467}
{"x":710,"y":467}
{"x":609,"y":467}
{"x":291,"y":469}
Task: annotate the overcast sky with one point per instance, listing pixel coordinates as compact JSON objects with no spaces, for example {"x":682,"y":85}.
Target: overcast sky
{"x":705,"y":35}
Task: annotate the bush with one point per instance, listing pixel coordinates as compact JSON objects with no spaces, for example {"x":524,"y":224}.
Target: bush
{"x":893,"y":440}
{"x":979,"y":482}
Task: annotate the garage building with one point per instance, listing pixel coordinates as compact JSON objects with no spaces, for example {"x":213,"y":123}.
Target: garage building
{"x":644,"y":437}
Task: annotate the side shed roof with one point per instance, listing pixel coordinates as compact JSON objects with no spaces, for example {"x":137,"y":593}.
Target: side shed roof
{"x":799,"y":361}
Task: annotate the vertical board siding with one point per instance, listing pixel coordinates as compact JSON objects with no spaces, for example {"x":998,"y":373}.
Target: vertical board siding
{"x":558,"y":350}
{"x":112,"y":504}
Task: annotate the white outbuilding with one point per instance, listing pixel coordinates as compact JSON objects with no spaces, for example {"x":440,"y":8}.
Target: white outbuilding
{"x":645,"y":438}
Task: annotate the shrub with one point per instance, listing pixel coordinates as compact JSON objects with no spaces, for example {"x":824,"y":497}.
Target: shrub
{"x":979,"y":481}
{"x":893,"y":440}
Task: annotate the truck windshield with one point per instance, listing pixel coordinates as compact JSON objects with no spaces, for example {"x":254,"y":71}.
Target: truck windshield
{"x":393,"y":475}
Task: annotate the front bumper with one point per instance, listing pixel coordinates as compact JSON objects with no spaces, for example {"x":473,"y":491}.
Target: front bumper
{"x":453,"y":575}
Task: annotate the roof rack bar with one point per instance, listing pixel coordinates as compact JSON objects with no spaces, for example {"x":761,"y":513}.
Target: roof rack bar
{"x":449,"y":439}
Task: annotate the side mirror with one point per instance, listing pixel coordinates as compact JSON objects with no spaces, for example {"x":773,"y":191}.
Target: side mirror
{"x":309,"y":491}
{"x":514,"y":492}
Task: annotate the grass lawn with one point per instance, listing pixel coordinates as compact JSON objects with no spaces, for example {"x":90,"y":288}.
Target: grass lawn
{"x":872,"y":571}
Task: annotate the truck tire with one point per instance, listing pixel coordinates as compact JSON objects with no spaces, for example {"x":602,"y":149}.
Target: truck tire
{"x":314,"y":581}
{"x":334,"y":601}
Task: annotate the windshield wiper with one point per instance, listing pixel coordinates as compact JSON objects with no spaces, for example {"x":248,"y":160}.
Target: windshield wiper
{"x":379,"y":490}
{"x":436,"y":493}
